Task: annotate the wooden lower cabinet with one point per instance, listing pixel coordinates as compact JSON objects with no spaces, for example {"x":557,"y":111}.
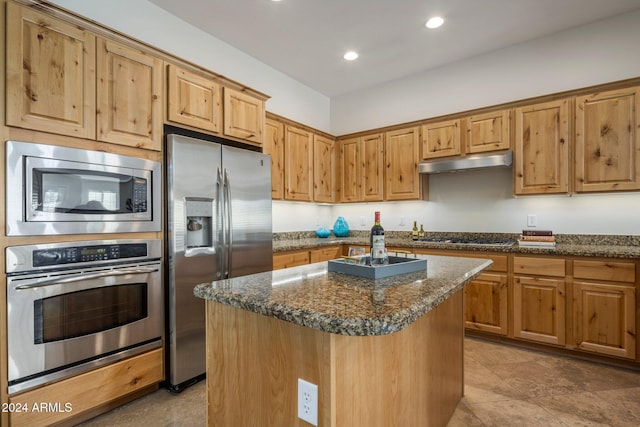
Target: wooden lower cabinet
{"x":305,"y":256}
{"x":604,"y":307}
{"x":604,"y":318}
{"x":76,"y":399}
{"x":539,"y":299}
{"x":290,"y":259}
{"x":486,"y":303}
{"x":579,"y":304}
{"x":325,"y":254}
{"x":539,"y":309}
{"x":413,"y":377}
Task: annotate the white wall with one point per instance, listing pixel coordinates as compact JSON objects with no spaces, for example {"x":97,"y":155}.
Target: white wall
{"x":601,"y":52}
{"x":482,"y":201}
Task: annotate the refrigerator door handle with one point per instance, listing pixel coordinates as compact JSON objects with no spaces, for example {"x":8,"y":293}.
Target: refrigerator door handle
{"x":220,"y":225}
{"x":228,"y":224}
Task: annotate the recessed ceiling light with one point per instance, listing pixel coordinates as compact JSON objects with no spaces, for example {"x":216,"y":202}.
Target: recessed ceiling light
{"x":351,"y":55}
{"x":434,"y":22}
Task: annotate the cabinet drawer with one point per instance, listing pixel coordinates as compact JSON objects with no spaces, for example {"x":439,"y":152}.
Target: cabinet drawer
{"x":499,"y":261}
{"x":324,"y":254}
{"x":538,"y":266}
{"x":290,"y":259}
{"x":89,"y":390}
{"x":605,"y":270}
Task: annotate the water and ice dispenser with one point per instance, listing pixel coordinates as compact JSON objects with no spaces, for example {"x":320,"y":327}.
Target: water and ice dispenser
{"x":200,"y":222}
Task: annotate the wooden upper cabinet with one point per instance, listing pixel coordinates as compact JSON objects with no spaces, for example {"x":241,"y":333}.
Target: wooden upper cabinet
{"x":324,"y":179}
{"x":298,"y":164}
{"x":541,"y":148}
{"x":607,"y":142}
{"x":274,"y":146}
{"x":244,"y":115}
{"x":50,"y":74}
{"x":487,"y":132}
{"x":361,"y":166}
{"x":372,"y":156}
{"x":350,"y":167}
{"x":129,"y":96}
{"x":441,"y":139}
{"x":402,"y":181}
{"x":193,"y":99}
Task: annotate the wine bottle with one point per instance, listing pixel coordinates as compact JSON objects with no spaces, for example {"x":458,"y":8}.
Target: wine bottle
{"x":421,"y":233}
{"x":376,"y":242}
{"x":414,"y":232}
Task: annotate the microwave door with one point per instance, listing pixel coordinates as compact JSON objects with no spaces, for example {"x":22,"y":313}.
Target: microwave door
{"x":58,"y":190}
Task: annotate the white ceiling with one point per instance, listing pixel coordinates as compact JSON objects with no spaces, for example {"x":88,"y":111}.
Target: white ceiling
{"x":306,"y":39}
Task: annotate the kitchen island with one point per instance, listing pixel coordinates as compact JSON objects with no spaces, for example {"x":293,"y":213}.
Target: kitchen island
{"x":382,"y":352}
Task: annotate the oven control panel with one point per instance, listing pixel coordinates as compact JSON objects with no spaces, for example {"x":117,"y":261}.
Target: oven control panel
{"x":93,"y":253}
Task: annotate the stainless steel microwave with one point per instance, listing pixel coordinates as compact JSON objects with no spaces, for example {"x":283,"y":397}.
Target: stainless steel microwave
{"x":60,"y":190}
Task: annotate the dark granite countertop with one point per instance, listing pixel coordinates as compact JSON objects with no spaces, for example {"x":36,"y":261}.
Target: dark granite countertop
{"x":314,"y":297}
{"x":627,"y":247}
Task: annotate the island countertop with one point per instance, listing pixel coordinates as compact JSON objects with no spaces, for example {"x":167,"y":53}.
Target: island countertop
{"x":314,"y":297}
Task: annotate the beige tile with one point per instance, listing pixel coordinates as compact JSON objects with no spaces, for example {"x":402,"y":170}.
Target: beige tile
{"x":482,"y":385}
{"x":590,"y":376}
{"x":586,"y":409}
{"x":519,"y":413}
{"x":625,"y":404}
{"x":464,"y":417}
{"x":491,"y":353}
{"x":187,"y":409}
{"x":535,"y":379}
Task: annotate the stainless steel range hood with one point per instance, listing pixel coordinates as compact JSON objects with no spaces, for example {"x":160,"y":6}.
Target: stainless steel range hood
{"x":476,"y":161}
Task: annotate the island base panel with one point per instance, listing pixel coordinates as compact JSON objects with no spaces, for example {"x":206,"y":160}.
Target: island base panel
{"x":413,"y":377}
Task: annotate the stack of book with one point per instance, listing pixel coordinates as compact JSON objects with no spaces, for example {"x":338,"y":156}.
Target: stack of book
{"x":537,"y":239}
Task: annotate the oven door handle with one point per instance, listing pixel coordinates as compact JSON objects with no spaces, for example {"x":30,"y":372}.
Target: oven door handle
{"x":81,"y":277}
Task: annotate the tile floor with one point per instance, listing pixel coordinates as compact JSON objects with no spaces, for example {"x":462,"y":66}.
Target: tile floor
{"x":504,"y":386}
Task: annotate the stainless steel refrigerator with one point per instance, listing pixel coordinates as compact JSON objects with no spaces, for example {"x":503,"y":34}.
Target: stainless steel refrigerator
{"x":218,"y":226}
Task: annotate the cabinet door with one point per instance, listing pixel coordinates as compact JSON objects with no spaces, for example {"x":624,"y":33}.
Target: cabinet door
{"x":298,"y":164}
{"x":129,"y":96}
{"x":274,"y":145}
{"x":607,"y":141}
{"x":486,"y":304}
{"x":542,"y":148}
{"x":323,"y":169}
{"x":539,"y":309}
{"x":350,"y":167}
{"x":324,"y":254}
{"x":441,"y":139}
{"x":50,"y":74}
{"x":193,"y":100}
{"x":604,"y":318}
{"x":244,"y":116}
{"x":488,"y":132}
{"x":372,"y":154}
{"x":401,"y":175}
{"x":290,"y":259}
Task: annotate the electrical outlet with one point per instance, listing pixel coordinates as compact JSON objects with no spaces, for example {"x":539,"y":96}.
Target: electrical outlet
{"x":401,"y":220}
{"x":532,"y":220}
{"x":308,"y":402}
{"x":362,"y":222}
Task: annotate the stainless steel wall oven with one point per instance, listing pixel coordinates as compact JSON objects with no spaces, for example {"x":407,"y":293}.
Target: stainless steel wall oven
{"x":61,"y":190}
{"x":74,"y":306}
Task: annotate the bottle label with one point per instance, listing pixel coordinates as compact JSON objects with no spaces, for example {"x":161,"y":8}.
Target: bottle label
{"x":378,"y":246}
